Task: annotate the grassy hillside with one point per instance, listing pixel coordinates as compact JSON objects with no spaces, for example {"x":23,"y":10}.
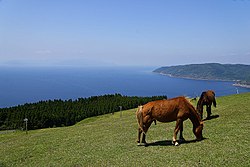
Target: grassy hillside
{"x":109,"y":140}
{"x":213,"y":71}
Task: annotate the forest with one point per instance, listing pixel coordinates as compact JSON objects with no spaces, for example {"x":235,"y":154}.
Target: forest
{"x":59,"y":113}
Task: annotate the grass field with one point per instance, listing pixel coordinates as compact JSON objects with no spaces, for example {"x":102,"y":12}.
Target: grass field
{"x":109,"y":140}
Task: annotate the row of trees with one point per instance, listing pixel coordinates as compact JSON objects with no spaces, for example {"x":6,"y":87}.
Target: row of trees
{"x":57,"y":113}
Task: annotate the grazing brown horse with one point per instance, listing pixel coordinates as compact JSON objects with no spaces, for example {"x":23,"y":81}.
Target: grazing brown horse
{"x":206,"y":98}
{"x":177,"y":109}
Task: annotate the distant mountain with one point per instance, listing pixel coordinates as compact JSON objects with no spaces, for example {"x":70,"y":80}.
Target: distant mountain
{"x":210,"y":71}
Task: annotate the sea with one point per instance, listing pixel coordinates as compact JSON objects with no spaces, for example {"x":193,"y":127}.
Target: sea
{"x":20,"y":85}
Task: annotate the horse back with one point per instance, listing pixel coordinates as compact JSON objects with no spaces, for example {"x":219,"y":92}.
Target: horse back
{"x":211,"y":97}
{"x":207,"y":98}
{"x":167,"y":110}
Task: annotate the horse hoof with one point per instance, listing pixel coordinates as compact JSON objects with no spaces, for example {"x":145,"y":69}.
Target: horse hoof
{"x":141,"y":144}
{"x":175,"y":143}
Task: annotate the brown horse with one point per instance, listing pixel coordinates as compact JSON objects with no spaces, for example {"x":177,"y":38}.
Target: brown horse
{"x":206,"y":98}
{"x":177,"y":109}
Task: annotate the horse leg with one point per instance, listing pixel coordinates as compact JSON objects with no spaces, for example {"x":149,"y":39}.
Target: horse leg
{"x":139,"y":141}
{"x":208,"y":111}
{"x":147,"y":125}
{"x":176,"y":130}
{"x":139,"y":136}
{"x":181,"y":132}
{"x":144,"y":139}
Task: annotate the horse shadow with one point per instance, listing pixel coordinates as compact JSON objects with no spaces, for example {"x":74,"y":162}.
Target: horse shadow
{"x":169,"y":142}
{"x":211,"y":117}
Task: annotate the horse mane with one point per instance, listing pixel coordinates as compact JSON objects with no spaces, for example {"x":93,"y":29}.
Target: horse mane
{"x":195,"y":119}
{"x":203,"y":95}
{"x":192,"y":109}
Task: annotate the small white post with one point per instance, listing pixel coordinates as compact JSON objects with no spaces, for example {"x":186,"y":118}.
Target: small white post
{"x":120,"y":111}
{"x":26,"y":125}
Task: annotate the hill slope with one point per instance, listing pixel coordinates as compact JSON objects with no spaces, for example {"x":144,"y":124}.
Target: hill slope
{"x":109,"y":140}
{"x":213,"y":71}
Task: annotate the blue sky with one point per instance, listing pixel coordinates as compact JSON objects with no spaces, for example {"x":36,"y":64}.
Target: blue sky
{"x":124,"y":32}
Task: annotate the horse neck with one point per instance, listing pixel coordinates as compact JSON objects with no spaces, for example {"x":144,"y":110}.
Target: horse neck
{"x":199,"y":104}
{"x":200,"y":101}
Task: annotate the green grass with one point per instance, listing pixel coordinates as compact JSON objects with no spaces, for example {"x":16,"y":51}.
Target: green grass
{"x":109,"y":140}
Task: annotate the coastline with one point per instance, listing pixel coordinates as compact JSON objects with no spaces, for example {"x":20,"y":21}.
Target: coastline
{"x":241,"y":85}
{"x":202,"y":79}
{"x":234,"y":84}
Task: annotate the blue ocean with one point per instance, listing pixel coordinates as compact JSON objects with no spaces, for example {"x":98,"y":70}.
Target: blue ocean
{"x":20,"y":85}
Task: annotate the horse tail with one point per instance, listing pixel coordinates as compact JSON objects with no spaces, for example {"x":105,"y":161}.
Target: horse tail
{"x":140,"y":118}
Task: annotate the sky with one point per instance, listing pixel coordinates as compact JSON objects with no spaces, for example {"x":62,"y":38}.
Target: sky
{"x":123,"y":32}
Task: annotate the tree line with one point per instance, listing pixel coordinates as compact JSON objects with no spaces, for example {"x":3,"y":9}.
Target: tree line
{"x":58,"y":113}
